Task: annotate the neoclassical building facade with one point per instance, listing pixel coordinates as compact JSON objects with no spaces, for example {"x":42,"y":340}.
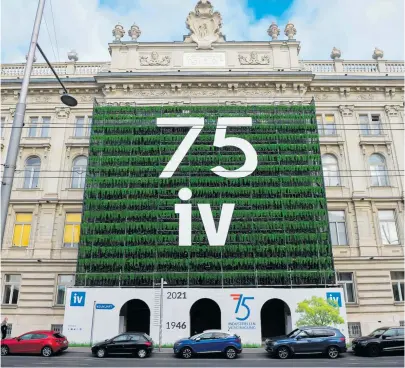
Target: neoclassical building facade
{"x":360,"y":117}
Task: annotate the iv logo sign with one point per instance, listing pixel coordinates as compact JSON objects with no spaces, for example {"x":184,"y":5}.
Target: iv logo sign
{"x":242,"y":312}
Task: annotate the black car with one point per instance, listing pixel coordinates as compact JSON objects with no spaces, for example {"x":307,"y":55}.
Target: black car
{"x":135,"y":343}
{"x":381,"y":340}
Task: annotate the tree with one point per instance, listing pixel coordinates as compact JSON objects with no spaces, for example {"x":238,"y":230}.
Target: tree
{"x":318,"y":312}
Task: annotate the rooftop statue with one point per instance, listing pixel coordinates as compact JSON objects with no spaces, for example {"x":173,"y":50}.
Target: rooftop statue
{"x":204,"y":25}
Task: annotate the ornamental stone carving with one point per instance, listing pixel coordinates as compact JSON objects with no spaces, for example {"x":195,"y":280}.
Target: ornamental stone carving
{"x":290,"y":30}
{"x":62,"y":112}
{"x":154,"y":60}
{"x":73,"y":56}
{"x":346,"y":110}
{"x":134,"y":32}
{"x":254,"y":59}
{"x":118,"y":32}
{"x":335,"y":54}
{"x":273,"y":31}
{"x":392,"y":110}
{"x":204,"y":25}
{"x":378,"y":54}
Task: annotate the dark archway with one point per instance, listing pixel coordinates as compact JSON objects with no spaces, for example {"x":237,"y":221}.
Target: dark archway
{"x":135,"y":317}
{"x":205,"y":314}
{"x":275,"y":318}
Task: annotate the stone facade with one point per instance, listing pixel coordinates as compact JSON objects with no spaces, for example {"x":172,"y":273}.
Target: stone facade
{"x":217,"y":72}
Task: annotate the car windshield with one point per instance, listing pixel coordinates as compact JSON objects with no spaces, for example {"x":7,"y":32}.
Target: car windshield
{"x":294,"y":333}
{"x":195,"y":336}
{"x":377,"y":333}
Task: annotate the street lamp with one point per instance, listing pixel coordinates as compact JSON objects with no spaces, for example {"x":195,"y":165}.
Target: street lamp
{"x":18,"y":121}
{"x":162,"y":283}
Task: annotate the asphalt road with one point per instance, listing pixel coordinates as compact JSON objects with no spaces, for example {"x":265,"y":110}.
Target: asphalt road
{"x":252,"y":358}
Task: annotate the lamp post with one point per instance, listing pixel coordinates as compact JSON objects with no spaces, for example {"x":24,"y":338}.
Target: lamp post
{"x":162,"y":283}
{"x":18,"y":121}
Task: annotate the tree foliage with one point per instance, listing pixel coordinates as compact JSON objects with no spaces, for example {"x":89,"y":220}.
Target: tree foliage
{"x":318,"y":312}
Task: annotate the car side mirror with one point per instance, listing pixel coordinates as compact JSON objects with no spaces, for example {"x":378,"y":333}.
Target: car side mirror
{"x":18,"y":339}
{"x":198,"y":339}
{"x":298,"y":338}
{"x":383,"y":337}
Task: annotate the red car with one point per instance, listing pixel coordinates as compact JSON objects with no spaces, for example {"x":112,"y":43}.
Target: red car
{"x":41,"y":342}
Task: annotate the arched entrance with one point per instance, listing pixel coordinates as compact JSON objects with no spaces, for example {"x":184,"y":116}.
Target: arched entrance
{"x":205,"y":314}
{"x":275,"y":318}
{"x":135,"y":317}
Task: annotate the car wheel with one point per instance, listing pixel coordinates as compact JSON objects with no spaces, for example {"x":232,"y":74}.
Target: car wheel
{"x":231,"y":353}
{"x":5,"y":350}
{"x":283,"y":352}
{"x":141,"y":353}
{"x":46,"y":351}
{"x":333,"y":352}
{"x":101,"y":353}
{"x":373,"y":350}
{"x":186,"y":353}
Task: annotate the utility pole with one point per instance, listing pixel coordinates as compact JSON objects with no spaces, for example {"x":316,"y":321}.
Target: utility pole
{"x":18,"y":123}
{"x":161,"y":314}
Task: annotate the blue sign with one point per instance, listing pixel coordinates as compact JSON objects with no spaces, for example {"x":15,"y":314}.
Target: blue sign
{"x":77,"y":298}
{"x":335,"y":297}
{"x":105,"y":306}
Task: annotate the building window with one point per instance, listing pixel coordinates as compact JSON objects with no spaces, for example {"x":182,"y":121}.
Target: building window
{"x":83,"y":126}
{"x":346,"y":280}
{"x":354,"y":329}
{"x":32,"y":129}
{"x":57,"y":328}
{"x":388,"y":227}
{"x":22,"y":229}
{"x":32,"y":170}
{"x":72,"y":230}
{"x":79,"y":171}
{"x":11,"y":289}
{"x":402,"y":323}
{"x":39,"y":126}
{"x":378,"y":169}
{"x":64,"y":281}
{"x":370,"y":125}
{"x":46,"y":122}
{"x":337,"y":226}
{"x":326,"y":124}
{"x":330,"y":170}
{"x":397,"y":279}
{"x":3,"y":126}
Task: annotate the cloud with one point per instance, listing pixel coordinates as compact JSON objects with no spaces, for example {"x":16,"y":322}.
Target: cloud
{"x":354,"y":26}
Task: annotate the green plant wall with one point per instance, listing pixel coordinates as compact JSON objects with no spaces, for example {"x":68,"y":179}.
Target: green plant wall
{"x":279,"y":230}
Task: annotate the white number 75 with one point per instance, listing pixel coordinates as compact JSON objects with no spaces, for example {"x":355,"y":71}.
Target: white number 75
{"x":220,"y":140}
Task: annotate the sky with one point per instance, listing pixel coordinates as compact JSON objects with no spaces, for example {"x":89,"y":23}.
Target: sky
{"x":356,"y":27}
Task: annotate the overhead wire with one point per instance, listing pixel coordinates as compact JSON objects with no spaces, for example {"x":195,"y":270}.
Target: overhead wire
{"x":54,"y":29}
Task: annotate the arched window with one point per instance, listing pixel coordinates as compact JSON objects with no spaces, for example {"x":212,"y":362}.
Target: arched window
{"x":378,"y":169}
{"x":330,"y":170}
{"x":79,"y":171}
{"x":32,"y":170}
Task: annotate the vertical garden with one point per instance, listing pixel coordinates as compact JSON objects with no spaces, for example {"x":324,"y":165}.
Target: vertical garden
{"x":279,"y":230}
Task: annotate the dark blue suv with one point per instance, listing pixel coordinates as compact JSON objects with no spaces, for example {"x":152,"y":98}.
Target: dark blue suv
{"x":308,"y":340}
{"x":210,"y":341}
